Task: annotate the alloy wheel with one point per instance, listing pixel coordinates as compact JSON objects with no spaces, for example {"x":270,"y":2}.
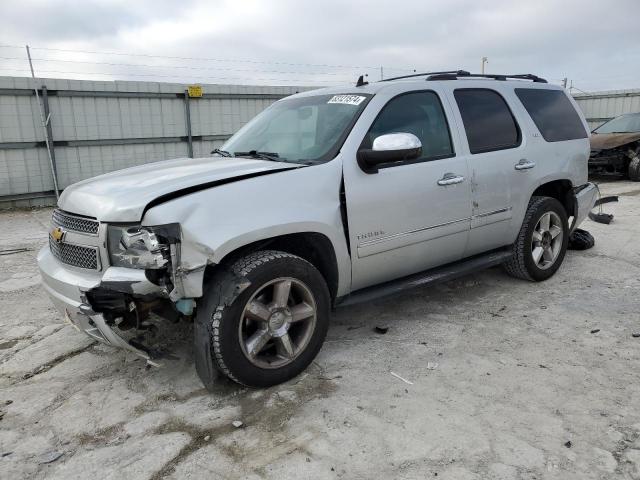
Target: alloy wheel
{"x":277,"y":323}
{"x":546,"y":241}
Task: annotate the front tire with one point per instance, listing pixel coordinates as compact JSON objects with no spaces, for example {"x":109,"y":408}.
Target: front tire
{"x":542,"y":242}
{"x":275,"y":328}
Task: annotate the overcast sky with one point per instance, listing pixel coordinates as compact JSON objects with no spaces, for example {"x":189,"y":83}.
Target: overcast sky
{"x":595,"y":44}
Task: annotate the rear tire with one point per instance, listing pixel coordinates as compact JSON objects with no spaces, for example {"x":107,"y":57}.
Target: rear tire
{"x":274,"y":328}
{"x":542,"y":242}
{"x":634,"y":169}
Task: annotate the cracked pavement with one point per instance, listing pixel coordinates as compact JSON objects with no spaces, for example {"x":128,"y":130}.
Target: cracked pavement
{"x":504,"y":374}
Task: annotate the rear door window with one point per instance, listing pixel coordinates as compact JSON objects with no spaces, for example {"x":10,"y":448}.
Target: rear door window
{"x":488,"y":122}
{"x":553,"y":114}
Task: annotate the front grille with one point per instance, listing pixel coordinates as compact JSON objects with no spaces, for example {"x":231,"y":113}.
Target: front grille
{"x":75,"y":255}
{"x":74,"y":223}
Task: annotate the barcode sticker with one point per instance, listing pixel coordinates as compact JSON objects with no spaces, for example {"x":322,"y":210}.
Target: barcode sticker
{"x":347,"y":99}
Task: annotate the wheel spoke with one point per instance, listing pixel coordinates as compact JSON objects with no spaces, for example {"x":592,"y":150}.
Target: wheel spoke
{"x":301,"y":312}
{"x":537,"y":236}
{"x":284,"y":346}
{"x":281,"y":293}
{"x":268,"y":336}
{"x":555,"y":231}
{"x":548,"y":254}
{"x":257,"y":311}
{"x":544,"y":222}
{"x":537,"y":254}
{"x":257,"y":341}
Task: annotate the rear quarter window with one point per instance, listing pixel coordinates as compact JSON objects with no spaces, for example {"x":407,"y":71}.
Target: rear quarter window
{"x":553,"y":114}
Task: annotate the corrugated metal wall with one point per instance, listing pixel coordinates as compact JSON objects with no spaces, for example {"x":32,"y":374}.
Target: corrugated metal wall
{"x":599,"y":107}
{"x":98,"y":127}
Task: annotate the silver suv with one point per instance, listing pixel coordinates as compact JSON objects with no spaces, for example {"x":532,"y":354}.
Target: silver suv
{"x":326,"y":198}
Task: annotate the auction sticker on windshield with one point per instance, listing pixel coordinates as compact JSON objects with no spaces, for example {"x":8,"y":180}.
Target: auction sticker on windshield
{"x":347,"y":99}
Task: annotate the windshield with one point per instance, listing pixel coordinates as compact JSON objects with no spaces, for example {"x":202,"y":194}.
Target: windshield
{"x":304,"y":129}
{"x":629,"y":123}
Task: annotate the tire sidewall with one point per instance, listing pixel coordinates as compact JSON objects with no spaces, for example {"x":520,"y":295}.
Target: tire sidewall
{"x":547,"y":205}
{"x":228,"y":346}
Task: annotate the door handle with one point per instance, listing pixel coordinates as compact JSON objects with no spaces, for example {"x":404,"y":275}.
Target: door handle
{"x":450,"y":179}
{"x":524,"y":164}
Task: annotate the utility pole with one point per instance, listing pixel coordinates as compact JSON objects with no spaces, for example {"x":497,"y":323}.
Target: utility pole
{"x":44,"y":122}
{"x":564,"y":82}
{"x":381,"y":73}
{"x":484,"y":60}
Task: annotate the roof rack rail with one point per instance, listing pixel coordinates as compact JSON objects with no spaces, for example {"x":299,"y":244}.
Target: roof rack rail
{"x":456,"y":72}
{"x":461,"y":73}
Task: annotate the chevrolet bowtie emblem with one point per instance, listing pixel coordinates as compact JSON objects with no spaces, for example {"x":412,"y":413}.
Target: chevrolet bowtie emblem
{"x":57,"y":234}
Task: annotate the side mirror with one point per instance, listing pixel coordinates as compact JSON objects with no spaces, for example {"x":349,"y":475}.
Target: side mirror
{"x":389,"y":148}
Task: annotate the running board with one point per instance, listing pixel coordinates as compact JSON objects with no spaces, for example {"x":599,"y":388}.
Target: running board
{"x":434,"y":275}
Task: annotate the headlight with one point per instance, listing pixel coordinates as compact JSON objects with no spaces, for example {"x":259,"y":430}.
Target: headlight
{"x":136,"y":247}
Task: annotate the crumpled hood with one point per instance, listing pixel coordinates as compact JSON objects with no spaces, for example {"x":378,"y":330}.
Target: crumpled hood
{"x":123,"y":195}
{"x":604,"y":141}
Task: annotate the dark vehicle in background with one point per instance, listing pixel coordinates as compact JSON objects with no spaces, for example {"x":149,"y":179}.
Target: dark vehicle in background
{"x":615,"y":147}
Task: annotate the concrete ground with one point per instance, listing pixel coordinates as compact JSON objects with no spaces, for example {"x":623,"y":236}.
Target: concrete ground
{"x":505,"y":379}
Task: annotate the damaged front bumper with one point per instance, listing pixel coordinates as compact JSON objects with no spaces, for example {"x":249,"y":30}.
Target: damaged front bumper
{"x":68,"y":289}
{"x":585,"y":198}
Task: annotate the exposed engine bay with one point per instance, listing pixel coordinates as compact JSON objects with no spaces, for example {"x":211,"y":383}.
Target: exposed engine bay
{"x":615,"y":148}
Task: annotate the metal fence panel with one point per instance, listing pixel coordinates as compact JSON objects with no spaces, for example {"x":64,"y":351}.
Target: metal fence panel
{"x":598,"y":107}
{"x":98,"y":127}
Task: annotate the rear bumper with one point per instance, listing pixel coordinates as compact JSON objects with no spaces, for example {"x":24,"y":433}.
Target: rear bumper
{"x":585,"y":200}
{"x":67,"y":289}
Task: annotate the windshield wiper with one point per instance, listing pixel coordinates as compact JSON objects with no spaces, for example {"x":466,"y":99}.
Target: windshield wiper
{"x":222,"y":153}
{"x":271,"y":156}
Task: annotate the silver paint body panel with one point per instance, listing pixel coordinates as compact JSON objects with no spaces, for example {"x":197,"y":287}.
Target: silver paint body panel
{"x":122,"y":195}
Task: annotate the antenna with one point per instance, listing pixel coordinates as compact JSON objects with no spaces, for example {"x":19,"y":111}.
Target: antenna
{"x":361,"y":82}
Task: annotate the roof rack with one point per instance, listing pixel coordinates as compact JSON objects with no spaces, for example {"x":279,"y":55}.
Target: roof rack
{"x":462,"y":73}
{"x":448,"y":72}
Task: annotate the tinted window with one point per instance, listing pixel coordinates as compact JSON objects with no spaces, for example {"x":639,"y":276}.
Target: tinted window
{"x":487,"y":120}
{"x":419,"y":113}
{"x":552,"y":113}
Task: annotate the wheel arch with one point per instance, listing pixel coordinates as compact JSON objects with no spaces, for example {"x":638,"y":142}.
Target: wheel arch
{"x":314,"y":247}
{"x":561,"y":190}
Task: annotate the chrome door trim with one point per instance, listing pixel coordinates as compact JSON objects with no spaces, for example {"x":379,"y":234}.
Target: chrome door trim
{"x":410,"y":232}
{"x":494,"y":212}
{"x":491,"y":217}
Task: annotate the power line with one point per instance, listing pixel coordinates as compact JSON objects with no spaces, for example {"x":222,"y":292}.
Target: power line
{"x":66,"y":72}
{"x":188,"y":67}
{"x":209,"y":59}
{"x":227,"y":60}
